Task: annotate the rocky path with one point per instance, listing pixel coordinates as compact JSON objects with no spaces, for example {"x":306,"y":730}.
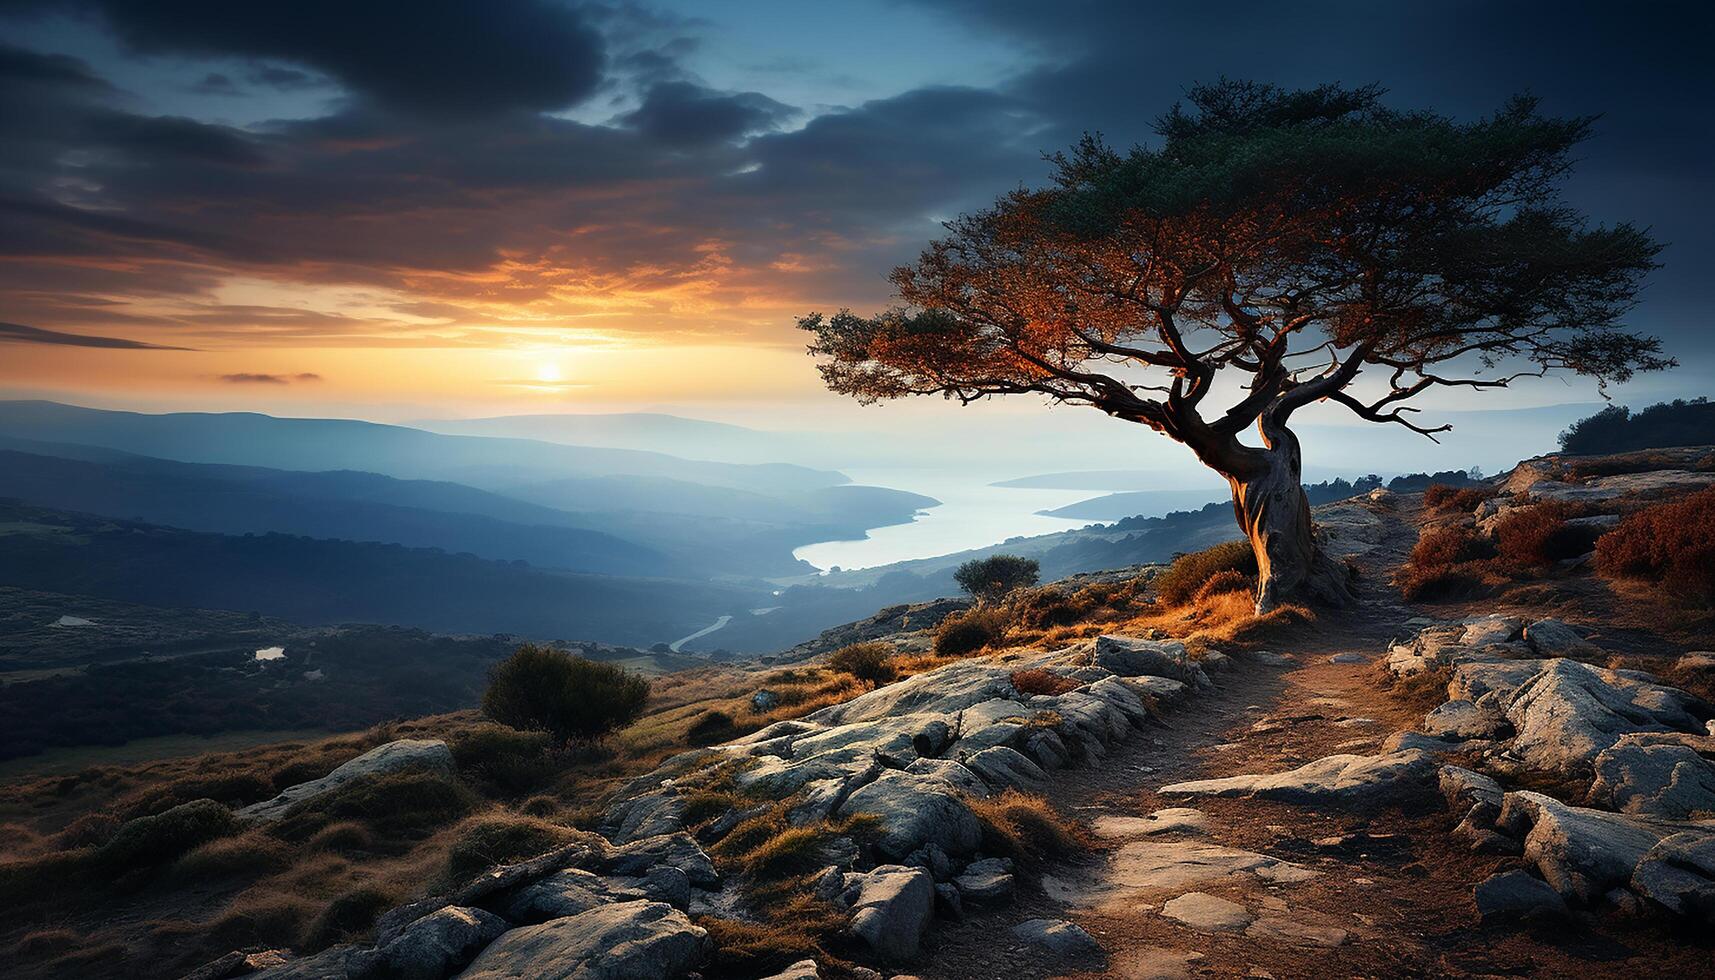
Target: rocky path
{"x":1228,"y":887}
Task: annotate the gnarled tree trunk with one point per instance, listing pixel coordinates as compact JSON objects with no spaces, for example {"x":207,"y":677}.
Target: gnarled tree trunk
{"x":1271,"y":508}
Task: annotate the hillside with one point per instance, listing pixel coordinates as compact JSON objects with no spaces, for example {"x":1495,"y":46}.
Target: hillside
{"x":319,"y":581}
{"x":1127,"y":774}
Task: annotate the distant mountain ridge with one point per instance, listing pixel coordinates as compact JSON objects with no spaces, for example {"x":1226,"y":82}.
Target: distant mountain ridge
{"x":250,"y":439}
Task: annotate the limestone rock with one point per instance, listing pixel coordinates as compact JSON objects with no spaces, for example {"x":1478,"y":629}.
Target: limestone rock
{"x":1553,"y":638}
{"x":399,"y":756}
{"x":335,"y":963}
{"x":1001,"y":767}
{"x":1658,"y":775}
{"x":1581,"y":853}
{"x":1569,"y":712}
{"x":1678,"y":874}
{"x":891,"y":909}
{"x":1059,"y":936}
{"x":562,"y":893}
{"x":1485,"y":630}
{"x":915,"y":811}
{"x":624,"y":941}
{"x":1173,"y":819}
{"x":646,"y":815}
{"x":1517,"y":895}
{"x":1130,"y":656}
{"x":986,"y":882}
{"x":801,"y":970}
{"x":440,"y":943}
{"x":1047,"y":749}
{"x":1337,"y":780}
{"x":1283,"y":929}
{"x":1460,"y":719}
{"x":678,"y":850}
{"x":1206,"y":913}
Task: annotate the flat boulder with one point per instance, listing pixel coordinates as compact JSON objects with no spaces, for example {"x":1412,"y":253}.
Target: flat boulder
{"x":623,"y":941}
{"x":1460,"y":719}
{"x":1358,"y":781}
{"x":1582,"y":853}
{"x":406,"y":754}
{"x":1569,"y":712}
{"x":440,"y":943}
{"x":1667,"y":775}
{"x":1516,"y":895}
{"x":1130,"y":656}
{"x":891,"y":908}
{"x":678,"y":850}
{"x":1058,"y":936}
{"x":1678,"y":875}
{"x":1553,"y":638}
{"x":985,"y":882}
{"x":914,"y":811}
{"x":1207,"y":913}
{"x":1002,"y":768}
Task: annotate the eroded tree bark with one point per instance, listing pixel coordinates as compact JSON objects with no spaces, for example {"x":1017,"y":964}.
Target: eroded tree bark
{"x":1270,"y":505}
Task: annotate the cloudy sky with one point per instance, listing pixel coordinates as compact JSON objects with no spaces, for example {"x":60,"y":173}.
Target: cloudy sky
{"x":458,"y":208}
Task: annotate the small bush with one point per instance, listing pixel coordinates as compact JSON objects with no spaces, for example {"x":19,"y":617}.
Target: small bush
{"x":794,"y":930}
{"x":261,"y":918}
{"x":1440,"y":547}
{"x":89,"y":830}
{"x":548,"y":690}
{"x":1047,"y":608}
{"x":1039,"y":681}
{"x":397,"y":805}
{"x":1182,"y":580}
{"x":1671,"y":546}
{"x":1222,"y":582}
{"x":540,"y":806}
{"x":348,"y":916}
{"x":1442,"y":497}
{"x":1540,"y":535}
{"x":869,"y":662}
{"x":968,"y":632}
{"x":249,"y":854}
{"x":344,"y":837}
{"x":513,"y":761}
{"x":991,"y":579}
{"x":150,"y":841}
{"x":488,"y":841}
{"x":1026,"y":828}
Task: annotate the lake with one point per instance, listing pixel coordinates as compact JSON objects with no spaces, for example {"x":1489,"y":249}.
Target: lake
{"x":972,"y":514}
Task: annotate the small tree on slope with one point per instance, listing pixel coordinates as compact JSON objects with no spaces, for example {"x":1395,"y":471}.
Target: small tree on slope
{"x":1295,"y":240}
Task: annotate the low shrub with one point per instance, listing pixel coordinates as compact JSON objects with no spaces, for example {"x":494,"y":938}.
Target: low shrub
{"x":540,"y":806}
{"x":1039,"y":681}
{"x":1222,"y":582}
{"x":793,"y":930}
{"x":248,"y":854}
{"x":1442,"y":497}
{"x":348,"y":916}
{"x":991,"y":579}
{"x":711,"y":727}
{"x":1026,"y":828}
{"x":1439,"y":547}
{"x":544,"y":689}
{"x":404,"y":805}
{"x":869,"y":662}
{"x":1671,"y":546}
{"x":968,"y":632}
{"x":502,"y":838}
{"x":1047,"y":608}
{"x":89,"y":830}
{"x":344,"y":837}
{"x":513,"y":761}
{"x":150,"y":841}
{"x":261,"y":917}
{"x":1182,"y":580}
{"x":1540,"y":535}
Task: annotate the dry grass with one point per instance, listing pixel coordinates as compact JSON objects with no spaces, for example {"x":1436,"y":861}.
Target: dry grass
{"x":1039,"y":681}
{"x":871,"y":662}
{"x":1446,"y":499}
{"x":1670,"y":546}
{"x":1183,"y":579}
{"x":1027,"y":828}
{"x":1540,"y":535}
{"x":1422,"y":691}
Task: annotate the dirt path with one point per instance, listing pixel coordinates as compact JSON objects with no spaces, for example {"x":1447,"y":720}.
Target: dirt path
{"x":1325,"y":893}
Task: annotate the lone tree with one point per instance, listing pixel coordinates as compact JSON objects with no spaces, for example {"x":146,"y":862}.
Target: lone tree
{"x":991,"y":579}
{"x":1276,"y":248}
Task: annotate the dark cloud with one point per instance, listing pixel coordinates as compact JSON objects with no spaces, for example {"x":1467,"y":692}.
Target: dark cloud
{"x":451,"y":56}
{"x":684,"y":114}
{"x":17,"y":333}
{"x":246,"y":378}
{"x":283,"y":79}
{"x":215,"y":83}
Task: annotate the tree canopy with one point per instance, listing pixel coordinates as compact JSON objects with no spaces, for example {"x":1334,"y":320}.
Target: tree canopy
{"x":1296,"y":238}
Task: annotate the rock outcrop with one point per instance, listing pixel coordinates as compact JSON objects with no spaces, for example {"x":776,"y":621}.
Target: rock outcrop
{"x":401,"y":756}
